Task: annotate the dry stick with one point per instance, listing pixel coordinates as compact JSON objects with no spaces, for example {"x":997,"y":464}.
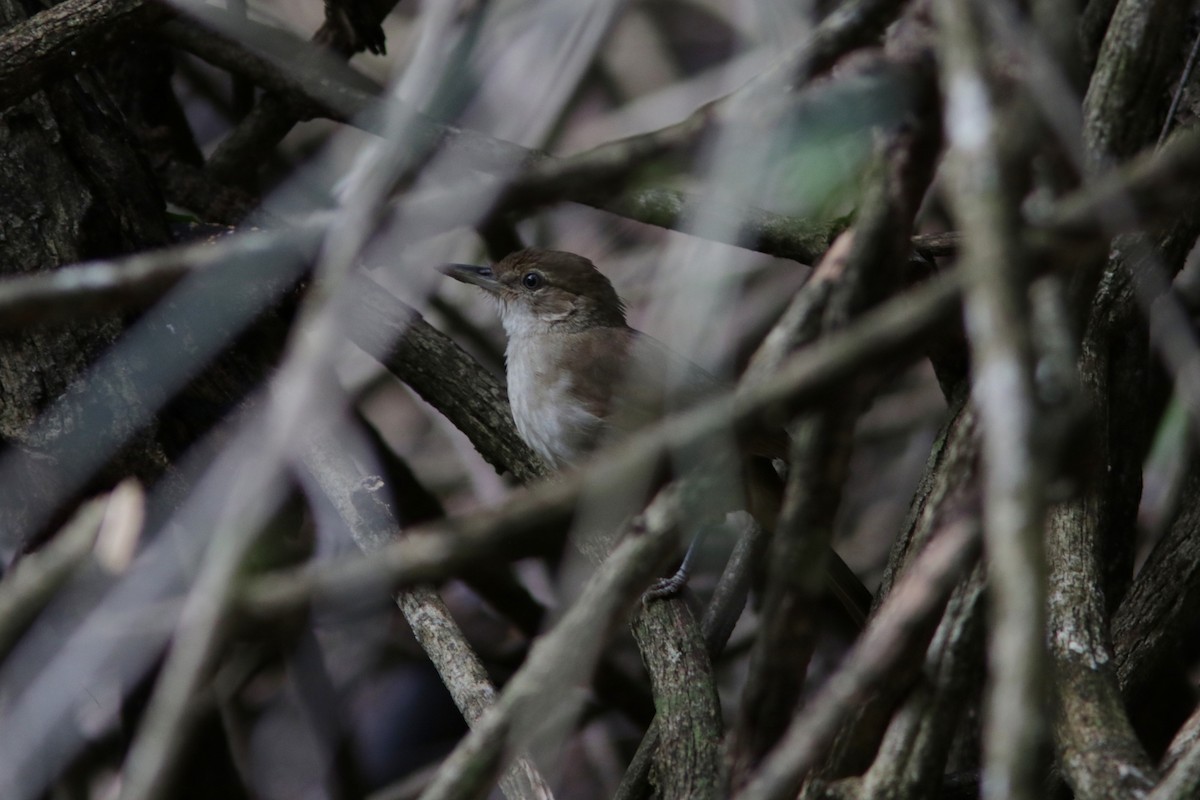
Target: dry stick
{"x":27,"y":588}
{"x":137,"y":281}
{"x":200,"y":630}
{"x":1183,"y":743}
{"x":294,"y":67}
{"x":279,"y":62}
{"x":911,"y":760}
{"x":1100,"y":753}
{"x":1125,"y":198}
{"x":997,"y":323}
{"x":63,"y":39}
{"x":565,"y":656}
{"x":1120,"y":113}
{"x":359,"y":502}
{"x":1183,"y":781}
{"x":267,"y":123}
{"x":948,"y":482}
{"x":1184,"y":79}
{"x":796,"y":558}
{"x":948,"y":486}
{"x":903,"y":625}
{"x":441,"y":373}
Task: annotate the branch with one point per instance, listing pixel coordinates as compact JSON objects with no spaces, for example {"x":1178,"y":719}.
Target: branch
{"x":1183,"y":781}
{"x":1141,"y":45}
{"x":997,"y":322}
{"x":441,"y":373}
{"x":911,"y":761}
{"x":30,"y":585}
{"x":63,"y":39}
{"x":357,"y":498}
{"x":900,"y":631}
{"x":1152,"y":185}
{"x":948,"y":490}
{"x":687,"y":758}
{"x":200,"y":629}
{"x":1183,"y":744}
{"x":563,"y":657}
{"x":1101,"y":754}
{"x":1164,"y":598}
{"x":858,"y":276}
{"x":297,"y":69}
{"x":137,"y":281}
{"x":722,"y":614}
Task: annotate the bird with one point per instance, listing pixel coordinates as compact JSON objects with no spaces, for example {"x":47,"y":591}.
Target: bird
{"x":579,"y":377}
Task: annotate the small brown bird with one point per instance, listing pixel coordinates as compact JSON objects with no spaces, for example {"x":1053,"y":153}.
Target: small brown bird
{"x":578,"y":375}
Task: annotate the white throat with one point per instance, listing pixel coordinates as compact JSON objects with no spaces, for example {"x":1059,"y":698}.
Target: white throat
{"x":520,"y":322}
{"x":549,"y":417}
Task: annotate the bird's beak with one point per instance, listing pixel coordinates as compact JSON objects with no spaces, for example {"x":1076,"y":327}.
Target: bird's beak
{"x":483,"y":277}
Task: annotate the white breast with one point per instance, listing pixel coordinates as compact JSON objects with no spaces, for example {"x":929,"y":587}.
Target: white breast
{"x":548,"y":417}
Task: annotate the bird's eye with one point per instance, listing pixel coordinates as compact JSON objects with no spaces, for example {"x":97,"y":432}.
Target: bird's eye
{"x":532,"y":280}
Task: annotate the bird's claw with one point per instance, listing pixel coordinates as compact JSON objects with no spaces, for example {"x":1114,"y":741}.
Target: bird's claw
{"x":665,"y":588}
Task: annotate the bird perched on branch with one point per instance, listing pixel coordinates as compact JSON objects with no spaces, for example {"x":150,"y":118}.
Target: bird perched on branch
{"x":579,"y":376}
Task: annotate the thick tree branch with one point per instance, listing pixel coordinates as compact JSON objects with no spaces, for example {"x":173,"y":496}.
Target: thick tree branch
{"x":63,"y":39}
{"x":687,"y":759}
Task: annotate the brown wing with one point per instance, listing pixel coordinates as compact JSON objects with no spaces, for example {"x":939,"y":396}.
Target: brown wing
{"x":688,"y":384}
{"x":631,"y":380}
{"x":636,"y":380}
{"x":639,"y":379}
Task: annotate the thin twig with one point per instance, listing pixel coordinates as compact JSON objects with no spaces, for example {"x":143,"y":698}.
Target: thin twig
{"x":358,"y":499}
{"x":1184,"y":78}
{"x":997,"y":322}
{"x":34,"y":580}
{"x":542,"y":688}
{"x":1183,"y":781}
{"x":905,"y":622}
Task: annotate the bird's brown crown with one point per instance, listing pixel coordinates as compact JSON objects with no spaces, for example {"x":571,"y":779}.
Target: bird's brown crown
{"x":555,"y":285}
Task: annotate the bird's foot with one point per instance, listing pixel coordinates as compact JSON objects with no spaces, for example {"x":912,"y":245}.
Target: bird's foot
{"x":668,"y":587}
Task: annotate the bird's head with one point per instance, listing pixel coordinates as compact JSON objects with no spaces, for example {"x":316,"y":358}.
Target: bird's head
{"x":546,"y":290}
